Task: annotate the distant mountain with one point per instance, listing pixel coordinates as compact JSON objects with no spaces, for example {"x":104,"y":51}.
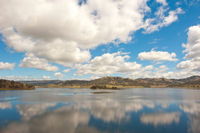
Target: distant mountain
{"x":119,"y":82}
{"x":190,"y":82}
{"x":41,"y":82}
{"x":12,"y":85}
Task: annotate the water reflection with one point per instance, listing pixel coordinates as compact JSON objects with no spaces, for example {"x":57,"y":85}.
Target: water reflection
{"x":61,"y":120}
{"x":193,"y":110}
{"x":194,"y":122}
{"x":5,"y":105}
{"x":29,"y":111}
{"x":83,"y":110}
{"x":157,"y":119}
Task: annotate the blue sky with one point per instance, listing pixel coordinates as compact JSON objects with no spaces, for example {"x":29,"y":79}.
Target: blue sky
{"x":134,"y":39}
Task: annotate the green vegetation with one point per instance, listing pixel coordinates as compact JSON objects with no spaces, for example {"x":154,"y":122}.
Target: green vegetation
{"x":103,"y":87}
{"x":12,"y":85}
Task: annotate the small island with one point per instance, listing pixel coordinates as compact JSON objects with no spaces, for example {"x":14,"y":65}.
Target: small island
{"x":13,"y":85}
{"x":104,"y":87}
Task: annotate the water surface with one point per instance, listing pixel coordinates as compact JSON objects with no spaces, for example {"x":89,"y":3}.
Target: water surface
{"x":55,"y":110}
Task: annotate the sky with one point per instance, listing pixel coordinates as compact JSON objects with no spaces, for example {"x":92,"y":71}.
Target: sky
{"x":88,"y":39}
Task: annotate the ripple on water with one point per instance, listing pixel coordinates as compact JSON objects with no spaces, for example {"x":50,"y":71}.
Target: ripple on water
{"x":8,"y":99}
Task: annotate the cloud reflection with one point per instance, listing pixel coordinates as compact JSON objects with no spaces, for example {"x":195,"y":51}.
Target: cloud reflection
{"x":28,"y":111}
{"x":194,"y":123}
{"x":73,"y":118}
{"x":192,"y":108}
{"x":87,"y":113}
{"x":193,"y":111}
{"x":113,"y":110}
{"x":61,"y":120}
{"x":160,"y":118}
{"x":5,"y":105}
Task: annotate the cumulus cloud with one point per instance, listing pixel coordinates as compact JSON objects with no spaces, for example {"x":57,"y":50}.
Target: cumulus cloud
{"x":6,"y":65}
{"x":108,"y":63}
{"x":117,"y":63}
{"x":58,"y":75}
{"x":66,"y":70}
{"x":156,"y":73}
{"x":187,"y":67}
{"x":151,"y":71}
{"x":31,"y":61}
{"x":189,"y":64}
{"x":63,"y":32}
{"x":20,"y":78}
{"x":192,"y":50}
{"x":44,"y":77}
{"x":157,"y":56}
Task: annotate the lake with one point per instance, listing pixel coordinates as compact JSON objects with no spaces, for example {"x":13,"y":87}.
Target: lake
{"x":143,"y":110}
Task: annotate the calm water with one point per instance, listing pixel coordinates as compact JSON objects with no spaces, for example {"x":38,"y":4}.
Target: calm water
{"x":88,"y":111}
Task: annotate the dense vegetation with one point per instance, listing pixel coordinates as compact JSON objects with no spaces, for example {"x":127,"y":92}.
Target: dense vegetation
{"x":103,"y":87}
{"x":12,"y":85}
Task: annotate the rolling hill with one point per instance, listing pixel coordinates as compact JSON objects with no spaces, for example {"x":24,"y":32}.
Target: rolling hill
{"x":119,"y":82}
{"x":13,"y":85}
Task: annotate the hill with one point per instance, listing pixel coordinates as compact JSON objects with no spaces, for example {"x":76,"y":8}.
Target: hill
{"x":12,"y":85}
{"x":119,"y":82}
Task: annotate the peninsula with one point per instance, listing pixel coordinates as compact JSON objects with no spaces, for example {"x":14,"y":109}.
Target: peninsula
{"x":13,"y":85}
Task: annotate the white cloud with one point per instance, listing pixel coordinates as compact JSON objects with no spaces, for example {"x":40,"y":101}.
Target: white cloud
{"x":189,"y":64}
{"x":63,"y":32}
{"x":44,"y":77}
{"x":62,"y":52}
{"x":163,"y":18}
{"x":116,"y":63}
{"x":163,"y":2}
{"x":192,"y":50}
{"x":6,"y":65}
{"x":32,"y":61}
{"x":161,"y":71}
{"x":108,"y":63}
{"x":163,"y":67}
{"x":157,"y":56}
{"x":66,"y":70}
{"x":22,"y":78}
{"x":58,"y":75}
{"x":152,"y":72}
